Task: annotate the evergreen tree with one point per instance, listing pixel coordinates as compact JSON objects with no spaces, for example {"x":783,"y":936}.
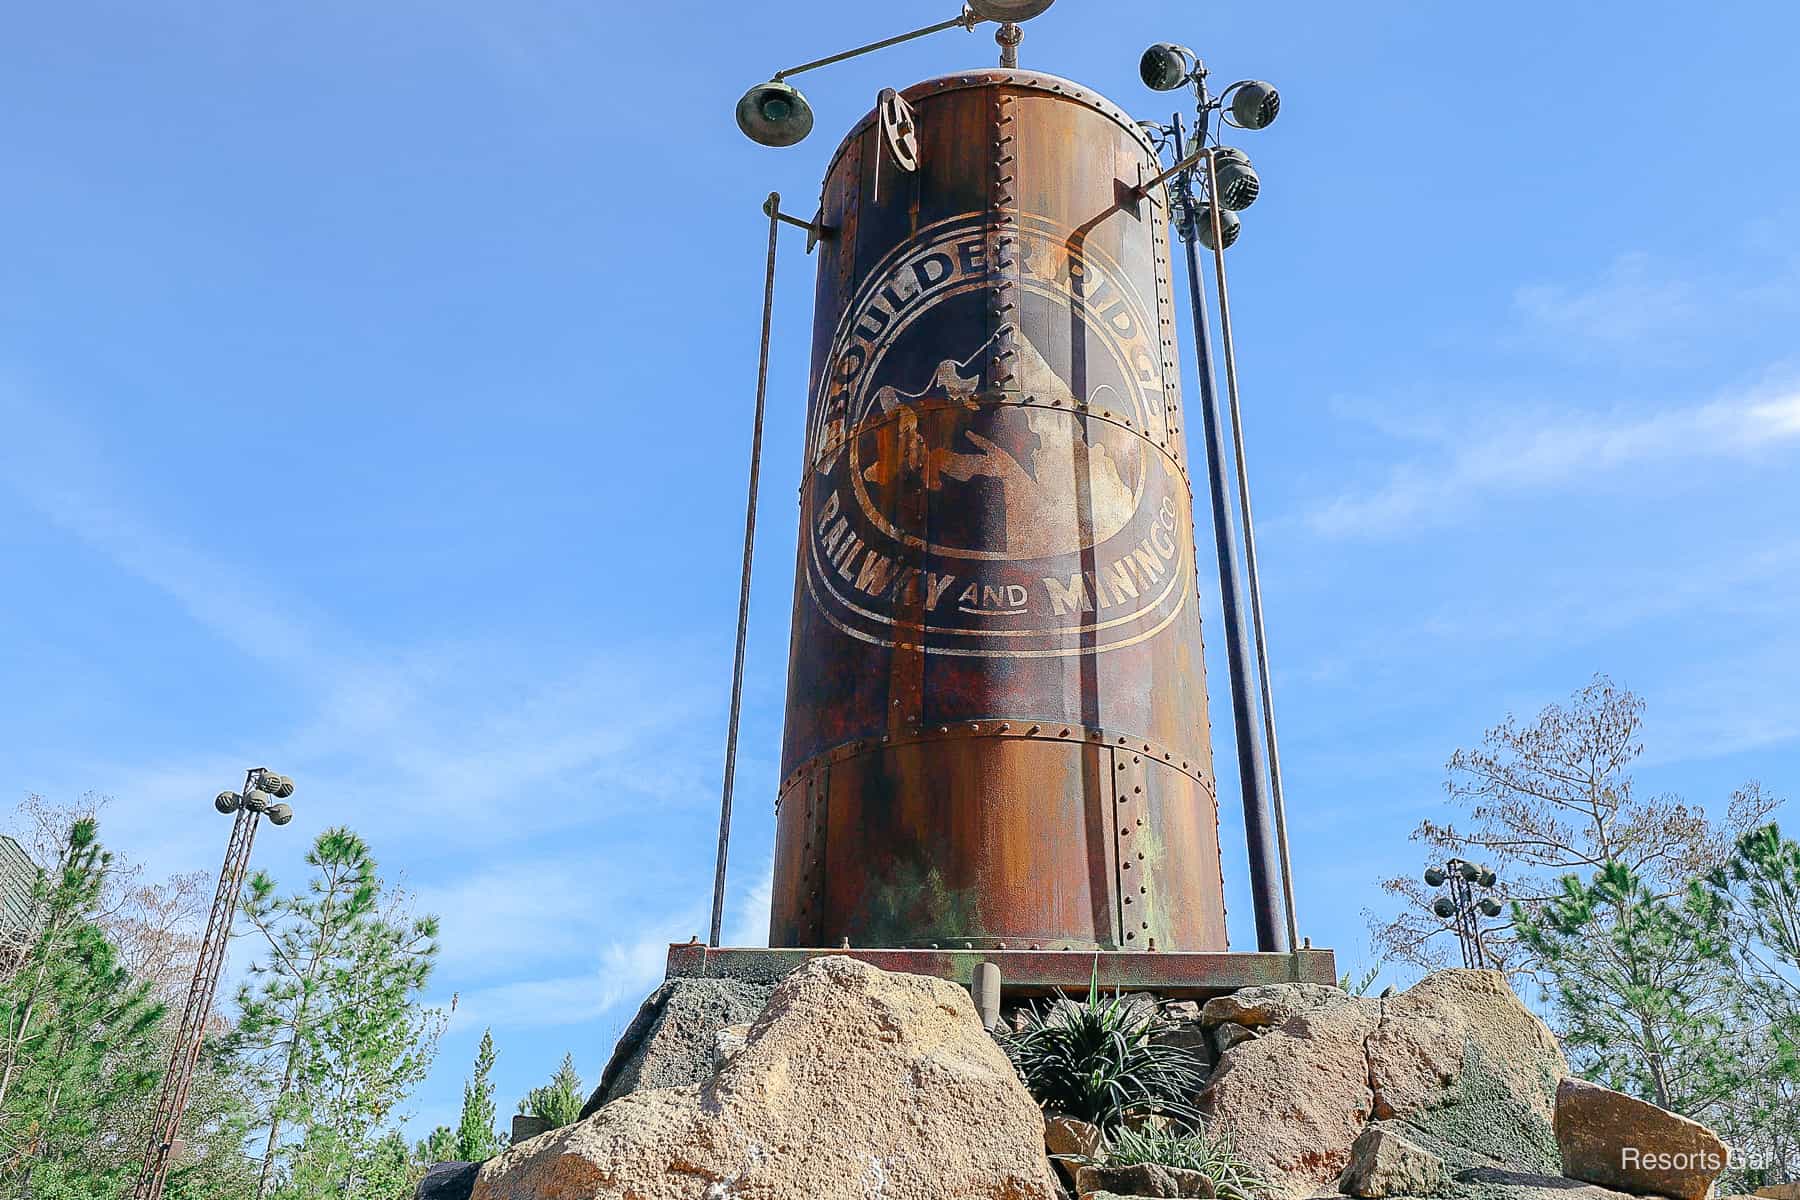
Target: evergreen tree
{"x":476,"y":1138}
{"x":330,"y":1024}
{"x":558,"y":1101}
{"x":75,"y":1028}
{"x":439,"y":1147}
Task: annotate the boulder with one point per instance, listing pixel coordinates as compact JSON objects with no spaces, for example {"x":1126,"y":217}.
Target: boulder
{"x":1780,"y":1191}
{"x":1071,"y":1137}
{"x":1269,"y":1006}
{"x":448,"y":1181}
{"x":1383,"y":1163}
{"x":1622,"y":1142}
{"x":1144,"y":1179}
{"x":1492,"y":1183}
{"x":670,"y":1040}
{"x":853,"y":1082}
{"x":1294,"y":1100}
{"x":1227,"y":1036}
{"x":1456,"y":1065}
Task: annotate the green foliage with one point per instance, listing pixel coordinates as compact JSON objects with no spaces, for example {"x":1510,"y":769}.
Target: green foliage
{"x":1189,"y":1149}
{"x":438,"y":1147}
{"x":75,"y":1032}
{"x":1097,"y":1060}
{"x":1359,"y":985}
{"x":1644,"y":998}
{"x":331,"y":1035}
{"x":558,"y":1101}
{"x":476,"y":1138}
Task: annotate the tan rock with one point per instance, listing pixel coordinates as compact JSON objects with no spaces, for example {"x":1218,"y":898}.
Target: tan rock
{"x":1456,"y":1028}
{"x":1066,"y":1135}
{"x":1621,"y":1142}
{"x":1294,"y":1100}
{"x":1780,"y":1191}
{"x":1383,"y":1163}
{"x":1269,"y":1006}
{"x":1145,"y":1179}
{"x":853,"y":1082}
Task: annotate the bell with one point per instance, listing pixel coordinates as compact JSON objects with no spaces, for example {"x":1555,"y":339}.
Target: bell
{"x":1165,"y":66}
{"x":1237,"y":179}
{"x":1255,"y":104}
{"x":1008,"y":10}
{"x":774,"y":114}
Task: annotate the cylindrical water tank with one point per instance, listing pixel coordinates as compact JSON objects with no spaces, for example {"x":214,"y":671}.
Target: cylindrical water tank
{"x":996,"y":720}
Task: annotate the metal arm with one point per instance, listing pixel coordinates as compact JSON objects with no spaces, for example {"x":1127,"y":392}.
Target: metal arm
{"x":967,"y":19}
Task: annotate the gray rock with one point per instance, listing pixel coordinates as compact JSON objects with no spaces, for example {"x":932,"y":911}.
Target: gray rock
{"x":1145,"y":1179}
{"x":1492,"y":1183}
{"x":1270,"y":1006}
{"x":1227,"y":1036}
{"x":448,"y":1181}
{"x":671,"y":1040}
{"x":1382,"y":1164}
{"x":524,"y":1128}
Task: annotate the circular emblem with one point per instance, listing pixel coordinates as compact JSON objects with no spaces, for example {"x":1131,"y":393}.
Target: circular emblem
{"x":986,"y":471}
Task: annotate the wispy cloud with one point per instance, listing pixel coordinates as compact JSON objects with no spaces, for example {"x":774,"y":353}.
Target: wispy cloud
{"x":1547,"y":450}
{"x":1630,"y":304}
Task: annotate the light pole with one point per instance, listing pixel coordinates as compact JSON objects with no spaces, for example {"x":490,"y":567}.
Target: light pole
{"x":262,"y":788}
{"x":1462,"y":907}
{"x":1228,"y":184}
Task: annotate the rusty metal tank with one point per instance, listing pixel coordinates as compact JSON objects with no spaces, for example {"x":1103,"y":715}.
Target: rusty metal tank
{"x":996,"y":724}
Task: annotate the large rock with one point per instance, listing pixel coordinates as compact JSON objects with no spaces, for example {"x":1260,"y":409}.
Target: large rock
{"x":1779,"y":1191}
{"x":1456,"y":1065}
{"x":1144,"y":1179}
{"x":1491,"y":1183}
{"x":1269,"y":1006}
{"x":1383,"y":1163}
{"x":672,"y":1039}
{"x":1621,"y":1142}
{"x":448,"y":1181}
{"x":852,"y":1083}
{"x":1293,"y":1100}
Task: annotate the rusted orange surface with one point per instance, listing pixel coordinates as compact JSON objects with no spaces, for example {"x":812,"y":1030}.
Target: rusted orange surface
{"x":996,"y":723}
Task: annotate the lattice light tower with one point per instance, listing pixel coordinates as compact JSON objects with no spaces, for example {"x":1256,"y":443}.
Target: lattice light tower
{"x":263,"y":789}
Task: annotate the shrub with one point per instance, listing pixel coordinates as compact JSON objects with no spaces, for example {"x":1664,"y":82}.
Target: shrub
{"x":1096,"y":1060}
{"x":1190,"y":1149}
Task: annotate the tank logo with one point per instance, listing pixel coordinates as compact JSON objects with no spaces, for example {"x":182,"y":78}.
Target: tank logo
{"x":989,"y":475}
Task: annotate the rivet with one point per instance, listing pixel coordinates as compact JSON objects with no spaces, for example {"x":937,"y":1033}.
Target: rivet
{"x":1129,"y":936}
{"x":1064,"y":733}
{"x":1138,"y":789}
{"x":1128,"y":899}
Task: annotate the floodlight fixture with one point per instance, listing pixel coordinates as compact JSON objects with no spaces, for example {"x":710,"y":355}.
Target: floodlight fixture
{"x":228,"y":802}
{"x":1229,"y":226}
{"x":774,"y":114}
{"x":1469,"y":871}
{"x":1444,"y":907}
{"x":1238,"y":185}
{"x":1488,"y":877}
{"x":1166,"y":66}
{"x":1254,"y":104}
{"x":278,"y":786}
{"x":1435,"y":877}
{"x":256,"y":800}
{"x":1490,"y":908}
{"x":280,"y":814}
{"x":1009,"y":10}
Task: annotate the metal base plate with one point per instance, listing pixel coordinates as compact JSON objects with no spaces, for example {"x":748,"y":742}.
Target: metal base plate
{"x":1173,"y":975}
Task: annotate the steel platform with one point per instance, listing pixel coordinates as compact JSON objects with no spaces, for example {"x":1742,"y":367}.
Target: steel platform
{"x":1173,"y":975}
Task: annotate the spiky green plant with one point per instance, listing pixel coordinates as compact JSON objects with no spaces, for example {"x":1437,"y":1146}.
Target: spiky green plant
{"x":1195,"y":1149}
{"x":1097,"y":1060}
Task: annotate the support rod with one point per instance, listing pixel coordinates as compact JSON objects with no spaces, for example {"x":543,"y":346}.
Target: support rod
{"x":965,"y":19}
{"x":1256,"y":610}
{"x":1271,"y":934}
{"x":773,"y":208}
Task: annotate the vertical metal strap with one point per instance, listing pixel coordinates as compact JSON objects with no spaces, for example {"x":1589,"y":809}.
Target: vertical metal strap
{"x":1256,"y":609}
{"x":773,"y":208}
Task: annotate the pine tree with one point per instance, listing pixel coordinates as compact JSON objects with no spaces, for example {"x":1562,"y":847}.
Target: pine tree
{"x":558,"y":1101}
{"x":330,"y":1023}
{"x":75,"y":1029}
{"x":476,"y":1138}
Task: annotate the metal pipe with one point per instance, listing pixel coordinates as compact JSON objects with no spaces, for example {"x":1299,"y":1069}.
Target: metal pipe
{"x":1276,"y":797}
{"x":1271,"y":934}
{"x":773,"y":208}
{"x":965,"y":19}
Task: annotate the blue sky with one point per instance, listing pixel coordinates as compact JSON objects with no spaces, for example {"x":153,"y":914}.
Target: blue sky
{"x":374,"y":398}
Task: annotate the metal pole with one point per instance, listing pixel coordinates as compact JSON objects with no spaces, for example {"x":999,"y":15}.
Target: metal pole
{"x":964,"y":19}
{"x":773,"y":208}
{"x":1271,"y":934}
{"x":1256,"y":610}
{"x":165,"y":1129}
